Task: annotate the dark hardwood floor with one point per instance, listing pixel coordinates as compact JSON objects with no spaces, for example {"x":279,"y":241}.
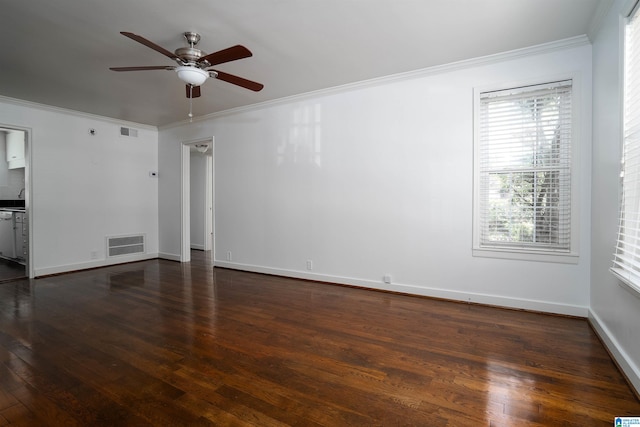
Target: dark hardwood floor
{"x":169,"y":344}
{"x":10,"y":270}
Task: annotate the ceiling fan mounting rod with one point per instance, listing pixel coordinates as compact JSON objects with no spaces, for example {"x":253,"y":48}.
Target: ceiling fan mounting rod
{"x":189,"y":55}
{"x":193,"y":64}
{"x":192,"y":38}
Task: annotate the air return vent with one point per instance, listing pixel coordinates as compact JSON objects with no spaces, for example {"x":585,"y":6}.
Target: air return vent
{"x":130,"y":132}
{"x":125,"y":245}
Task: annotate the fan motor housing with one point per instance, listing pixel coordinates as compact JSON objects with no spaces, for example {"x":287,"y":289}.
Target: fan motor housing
{"x":193,"y":64}
{"x":189,"y":54}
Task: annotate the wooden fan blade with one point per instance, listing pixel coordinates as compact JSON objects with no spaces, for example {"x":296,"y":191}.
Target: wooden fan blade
{"x":229,"y":54}
{"x":239,"y":81}
{"x":193,"y":91}
{"x":149,"y":44}
{"x":144,"y":68}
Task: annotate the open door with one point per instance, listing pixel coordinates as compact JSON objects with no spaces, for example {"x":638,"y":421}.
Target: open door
{"x":197,"y":198}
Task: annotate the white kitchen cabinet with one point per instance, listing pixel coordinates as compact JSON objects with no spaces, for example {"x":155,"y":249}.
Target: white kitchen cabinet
{"x":15,"y":150}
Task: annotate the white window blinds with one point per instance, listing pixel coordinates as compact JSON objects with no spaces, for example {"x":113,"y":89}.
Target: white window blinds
{"x":626,"y":262}
{"x":524,"y":168}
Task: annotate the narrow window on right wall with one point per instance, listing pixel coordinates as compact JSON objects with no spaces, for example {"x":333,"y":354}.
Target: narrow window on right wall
{"x":626,"y":262}
{"x":523,"y":170}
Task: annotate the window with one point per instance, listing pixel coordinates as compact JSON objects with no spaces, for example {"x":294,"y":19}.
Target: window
{"x":523,"y":169}
{"x":626,"y":262}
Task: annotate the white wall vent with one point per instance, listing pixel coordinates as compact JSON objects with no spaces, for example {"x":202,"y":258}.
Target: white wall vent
{"x":125,"y":245}
{"x":130,"y":132}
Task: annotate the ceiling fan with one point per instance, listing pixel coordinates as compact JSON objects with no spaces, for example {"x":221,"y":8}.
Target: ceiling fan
{"x":194,"y":65}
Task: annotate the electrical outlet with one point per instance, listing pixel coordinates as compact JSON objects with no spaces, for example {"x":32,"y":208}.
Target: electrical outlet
{"x":94,"y":254}
{"x":309,"y":265}
{"x":387,"y":279}
{"x":228,"y":255}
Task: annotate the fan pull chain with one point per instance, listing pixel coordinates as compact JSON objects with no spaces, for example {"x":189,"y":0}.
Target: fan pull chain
{"x":190,"y":103}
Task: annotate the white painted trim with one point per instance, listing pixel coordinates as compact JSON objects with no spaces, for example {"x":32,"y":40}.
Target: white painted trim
{"x":524,"y":255}
{"x":569,"y":43}
{"x":185,"y":202}
{"x":626,"y":363}
{"x":468,"y":297}
{"x":27,"y":194}
{"x":28,"y":200}
{"x":67,"y":268}
{"x":627,"y":8}
{"x":198,"y":247}
{"x":539,"y":255}
{"x":60,"y":110}
{"x":168,"y":256}
{"x":208,"y":205}
{"x":598,"y":18}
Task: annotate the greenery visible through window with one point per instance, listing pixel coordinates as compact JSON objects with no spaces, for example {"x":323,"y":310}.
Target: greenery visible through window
{"x":524,"y":168}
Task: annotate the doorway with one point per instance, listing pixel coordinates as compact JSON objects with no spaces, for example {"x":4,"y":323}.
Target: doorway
{"x":197,"y":210}
{"x":15,"y":196}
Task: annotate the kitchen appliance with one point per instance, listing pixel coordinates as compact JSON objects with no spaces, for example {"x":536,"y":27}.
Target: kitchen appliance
{"x":7,"y":236}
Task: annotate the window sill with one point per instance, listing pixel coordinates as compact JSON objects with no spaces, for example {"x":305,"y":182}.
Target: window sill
{"x":522,"y":255}
{"x":625,"y":282}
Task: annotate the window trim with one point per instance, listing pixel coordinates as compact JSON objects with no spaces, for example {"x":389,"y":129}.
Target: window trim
{"x":531,"y":254}
{"x":628,"y":12}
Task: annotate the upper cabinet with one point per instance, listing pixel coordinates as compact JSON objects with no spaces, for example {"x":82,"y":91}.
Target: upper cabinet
{"x":15,"y":150}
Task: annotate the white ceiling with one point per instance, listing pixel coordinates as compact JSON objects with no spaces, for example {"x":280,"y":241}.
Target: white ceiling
{"x":59,"y":52}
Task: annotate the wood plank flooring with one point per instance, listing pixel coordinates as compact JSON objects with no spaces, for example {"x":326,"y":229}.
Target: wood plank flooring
{"x":169,"y":344}
{"x":10,"y":270}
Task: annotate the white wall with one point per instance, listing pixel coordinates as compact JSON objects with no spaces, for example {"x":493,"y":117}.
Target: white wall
{"x":377,"y":179}
{"x":85,"y":187}
{"x":198,"y":172}
{"x":615,"y":311}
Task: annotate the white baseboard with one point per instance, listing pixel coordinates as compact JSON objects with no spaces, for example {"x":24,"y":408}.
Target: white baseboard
{"x":197,"y":247}
{"x":626,"y":363}
{"x":499,"y":301}
{"x":45,"y":271}
{"x":170,"y":257}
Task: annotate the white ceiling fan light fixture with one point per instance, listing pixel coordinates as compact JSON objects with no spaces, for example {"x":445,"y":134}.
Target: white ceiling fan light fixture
{"x":193,"y":65}
{"x":192,"y":75}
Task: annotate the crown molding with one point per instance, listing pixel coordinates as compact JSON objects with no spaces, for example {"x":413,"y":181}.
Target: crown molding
{"x":598,"y":18}
{"x":60,"y":110}
{"x":558,"y":45}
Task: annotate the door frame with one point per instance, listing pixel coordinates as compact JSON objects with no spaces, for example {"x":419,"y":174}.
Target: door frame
{"x":28,"y":132}
{"x":185,"y":197}
{"x":208,"y":205}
